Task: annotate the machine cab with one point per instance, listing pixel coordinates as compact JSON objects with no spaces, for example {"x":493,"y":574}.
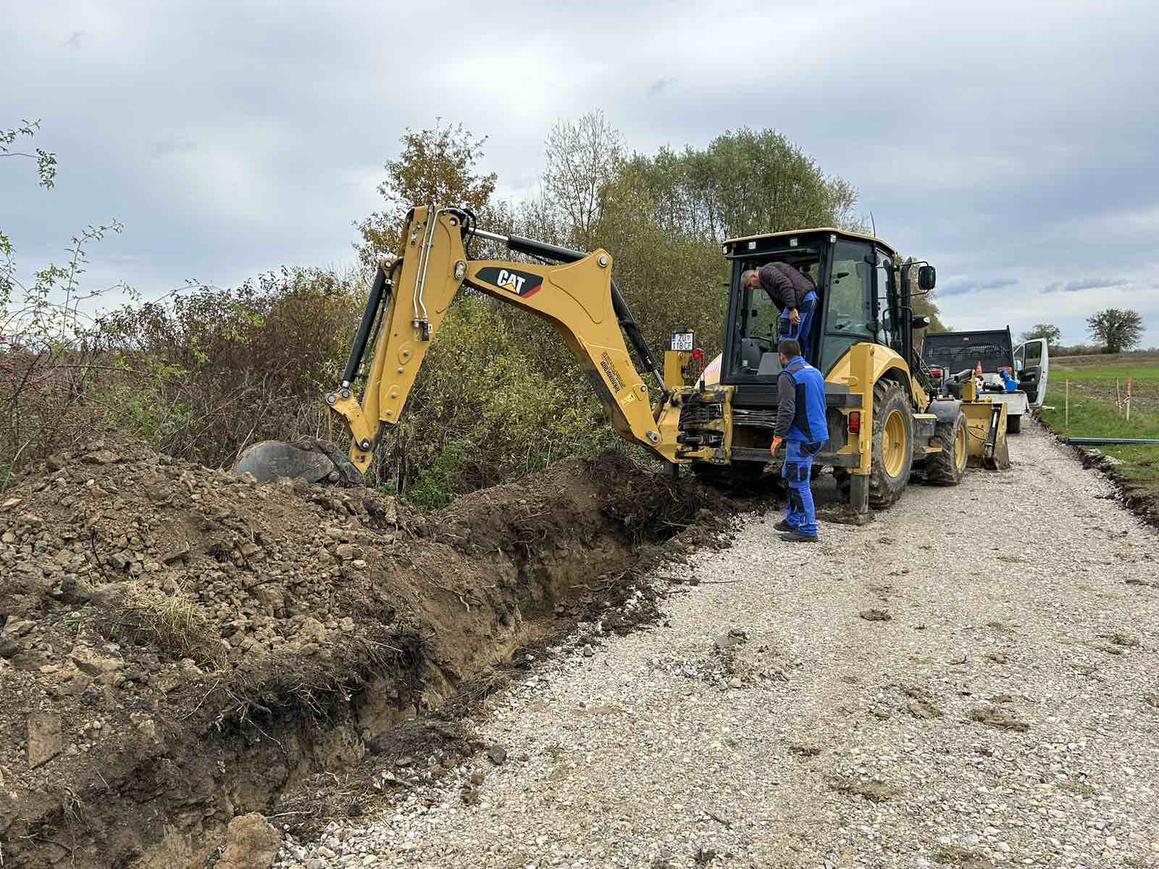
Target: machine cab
{"x":859,"y":301}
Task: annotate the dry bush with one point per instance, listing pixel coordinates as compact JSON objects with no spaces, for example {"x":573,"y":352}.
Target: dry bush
{"x":219,"y":369}
{"x":173,"y":625}
{"x":199,"y":377}
{"x":42,"y":407}
{"x":204,"y":375}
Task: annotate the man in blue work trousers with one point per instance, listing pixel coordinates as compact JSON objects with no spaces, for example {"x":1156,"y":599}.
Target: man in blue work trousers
{"x":793,"y":292}
{"x":801,"y":424}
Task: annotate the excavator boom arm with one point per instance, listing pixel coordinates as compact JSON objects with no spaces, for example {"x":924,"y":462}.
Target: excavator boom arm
{"x":409,"y":304}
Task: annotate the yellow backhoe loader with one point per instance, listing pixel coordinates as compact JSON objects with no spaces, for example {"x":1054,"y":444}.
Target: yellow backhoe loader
{"x":885,"y":422}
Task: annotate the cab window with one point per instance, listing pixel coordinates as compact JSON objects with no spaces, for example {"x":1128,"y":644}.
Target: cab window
{"x":885,"y":308}
{"x":760,"y":315}
{"x":758,"y":318}
{"x":849,"y":309}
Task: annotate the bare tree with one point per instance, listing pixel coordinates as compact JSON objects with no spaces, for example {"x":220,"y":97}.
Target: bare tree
{"x":581,"y":157}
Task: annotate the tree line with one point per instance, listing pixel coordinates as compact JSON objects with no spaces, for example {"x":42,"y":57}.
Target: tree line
{"x":1114,"y":330}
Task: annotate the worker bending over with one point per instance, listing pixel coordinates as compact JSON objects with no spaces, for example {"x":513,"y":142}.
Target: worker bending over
{"x":793,"y":292}
{"x":801,"y":424}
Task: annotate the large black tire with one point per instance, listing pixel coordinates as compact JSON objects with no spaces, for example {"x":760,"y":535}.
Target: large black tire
{"x":947,"y":467}
{"x":1013,"y":424}
{"x":893,"y":456}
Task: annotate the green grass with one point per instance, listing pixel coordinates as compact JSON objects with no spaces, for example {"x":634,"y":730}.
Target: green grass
{"x":1093,"y":411}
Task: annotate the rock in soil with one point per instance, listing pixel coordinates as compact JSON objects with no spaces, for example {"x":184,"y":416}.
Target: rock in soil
{"x":45,"y":740}
{"x":250,"y":843}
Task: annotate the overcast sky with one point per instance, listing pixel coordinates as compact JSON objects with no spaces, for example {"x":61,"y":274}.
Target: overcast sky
{"x":1013,"y":144}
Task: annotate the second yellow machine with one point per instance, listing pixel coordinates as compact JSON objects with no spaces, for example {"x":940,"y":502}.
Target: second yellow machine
{"x":885,"y":422}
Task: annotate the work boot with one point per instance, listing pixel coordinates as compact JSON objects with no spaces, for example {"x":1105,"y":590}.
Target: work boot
{"x":784,"y":525}
{"x":797,"y":537}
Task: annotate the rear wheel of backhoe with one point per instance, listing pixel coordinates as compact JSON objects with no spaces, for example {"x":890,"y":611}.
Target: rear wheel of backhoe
{"x":947,"y":467}
{"x":1013,"y":424}
{"x":893,"y":443}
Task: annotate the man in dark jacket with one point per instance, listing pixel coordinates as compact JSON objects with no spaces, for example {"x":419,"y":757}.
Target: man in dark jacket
{"x":791,"y":291}
{"x":802,"y":425}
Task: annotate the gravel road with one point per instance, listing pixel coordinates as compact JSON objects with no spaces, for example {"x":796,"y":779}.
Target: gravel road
{"x":970,"y":680}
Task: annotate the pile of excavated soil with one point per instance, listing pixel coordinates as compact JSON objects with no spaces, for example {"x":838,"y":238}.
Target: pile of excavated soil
{"x":180,"y":646}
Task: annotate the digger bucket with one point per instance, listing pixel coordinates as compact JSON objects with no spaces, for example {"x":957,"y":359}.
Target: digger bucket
{"x":986,"y":434}
{"x":309,"y":459}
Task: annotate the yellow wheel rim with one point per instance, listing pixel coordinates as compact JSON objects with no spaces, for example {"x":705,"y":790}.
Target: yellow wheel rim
{"x":960,"y":447}
{"x":894,"y":446}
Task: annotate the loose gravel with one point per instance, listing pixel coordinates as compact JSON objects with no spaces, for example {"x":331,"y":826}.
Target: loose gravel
{"x":970,"y":680}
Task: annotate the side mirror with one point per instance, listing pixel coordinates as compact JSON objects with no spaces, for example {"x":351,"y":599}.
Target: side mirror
{"x":920,"y":322}
{"x":927,"y":277}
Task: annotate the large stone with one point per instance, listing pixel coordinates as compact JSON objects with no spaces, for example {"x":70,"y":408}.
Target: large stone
{"x":92,"y":662}
{"x":180,"y":552}
{"x":45,"y":739}
{"x":250,"y":843}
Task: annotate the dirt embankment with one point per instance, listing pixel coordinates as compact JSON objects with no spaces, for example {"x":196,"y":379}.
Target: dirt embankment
{"x":180,"y":646}
{"x":1140,"y":499}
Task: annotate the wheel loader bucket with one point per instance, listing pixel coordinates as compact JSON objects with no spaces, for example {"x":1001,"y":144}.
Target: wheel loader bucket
{"x":309,"y":459}
{"x":986,"y":434}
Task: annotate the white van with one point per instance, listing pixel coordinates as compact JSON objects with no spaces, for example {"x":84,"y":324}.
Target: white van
{"x":950,"y":356}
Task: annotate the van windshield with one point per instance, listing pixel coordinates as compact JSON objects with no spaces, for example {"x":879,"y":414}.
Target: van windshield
{"x":957,"y":351}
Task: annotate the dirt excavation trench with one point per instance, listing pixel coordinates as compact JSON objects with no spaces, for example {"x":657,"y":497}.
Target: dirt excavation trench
{"x":180,"y":646}
{"x":969,"y":681}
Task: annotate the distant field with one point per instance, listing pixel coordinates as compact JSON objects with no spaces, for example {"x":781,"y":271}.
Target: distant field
{"x":1093,"y":411}
{"x":1104,"y":359}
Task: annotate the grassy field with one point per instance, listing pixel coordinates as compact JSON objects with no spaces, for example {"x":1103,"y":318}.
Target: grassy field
{"x":1094,"y":413}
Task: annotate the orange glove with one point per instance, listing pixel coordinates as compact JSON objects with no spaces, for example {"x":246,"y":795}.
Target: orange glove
{"x":774,"y":445}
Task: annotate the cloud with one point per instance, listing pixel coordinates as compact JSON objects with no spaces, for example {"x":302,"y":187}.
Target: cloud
{"x":660,"y":85}
{"x":959,"y":285}
{"x":172,"y":145}
{"x":1075,"y":286}
{"x":229,"y":139}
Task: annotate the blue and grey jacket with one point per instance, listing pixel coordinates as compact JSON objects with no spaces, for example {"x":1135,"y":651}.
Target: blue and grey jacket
{"x":801,"y":403}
